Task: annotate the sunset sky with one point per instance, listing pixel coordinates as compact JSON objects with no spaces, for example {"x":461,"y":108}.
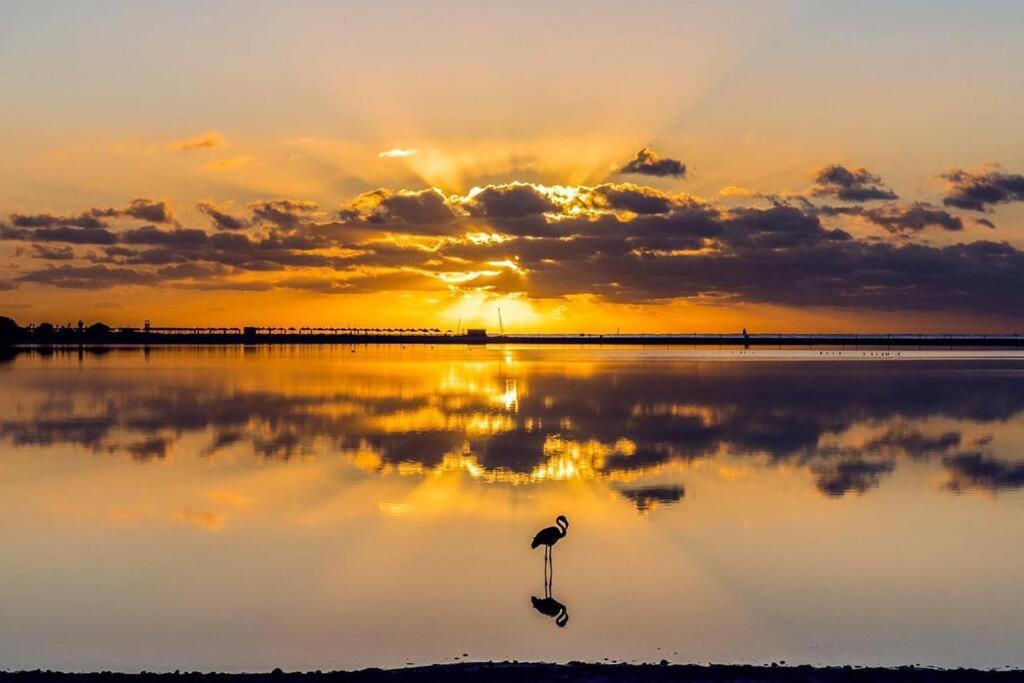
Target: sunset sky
{"x":643,"y":166}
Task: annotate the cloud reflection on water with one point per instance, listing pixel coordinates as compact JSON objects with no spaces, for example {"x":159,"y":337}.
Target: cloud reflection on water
{"x":508,"y":421}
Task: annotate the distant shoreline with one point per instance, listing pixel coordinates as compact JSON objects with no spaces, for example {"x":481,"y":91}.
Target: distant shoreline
{"x":74,"y":338}
{"x":575,"y":672}
{"x":100,"y":334}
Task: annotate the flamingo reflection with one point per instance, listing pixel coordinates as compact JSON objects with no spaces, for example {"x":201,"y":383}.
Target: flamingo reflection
{"x":548,"y":606}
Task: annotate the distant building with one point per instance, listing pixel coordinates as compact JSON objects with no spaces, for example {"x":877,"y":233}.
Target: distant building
{"x":476,"y":332}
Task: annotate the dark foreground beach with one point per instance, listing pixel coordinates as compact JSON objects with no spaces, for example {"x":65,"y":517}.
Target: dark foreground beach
{"x":506,"y":672}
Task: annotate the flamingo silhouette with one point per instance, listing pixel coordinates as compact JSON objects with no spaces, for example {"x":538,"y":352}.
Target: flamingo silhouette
{"x":548,"y":606}
{"x":550,"y":536}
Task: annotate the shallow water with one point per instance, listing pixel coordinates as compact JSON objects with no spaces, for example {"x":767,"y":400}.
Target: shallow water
{"x":337,"y":507}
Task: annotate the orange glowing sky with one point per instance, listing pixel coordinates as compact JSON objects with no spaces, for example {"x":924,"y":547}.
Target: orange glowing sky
{"x":586,"y":166}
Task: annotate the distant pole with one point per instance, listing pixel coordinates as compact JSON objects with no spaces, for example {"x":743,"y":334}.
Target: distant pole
{"x":501,"y":325}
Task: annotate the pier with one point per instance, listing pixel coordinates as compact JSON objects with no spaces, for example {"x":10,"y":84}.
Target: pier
{"x":99,"y":334}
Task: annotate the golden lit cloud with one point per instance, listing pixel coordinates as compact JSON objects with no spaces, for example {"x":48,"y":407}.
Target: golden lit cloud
{"x":735,"y":191}
{"x":397,"y":153}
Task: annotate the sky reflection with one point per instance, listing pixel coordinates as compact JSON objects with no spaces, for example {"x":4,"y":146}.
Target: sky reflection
{"x":520,"y":417}
{"x":322,"y":508}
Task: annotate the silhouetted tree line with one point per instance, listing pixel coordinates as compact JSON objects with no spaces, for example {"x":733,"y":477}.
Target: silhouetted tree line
{"x":13,"y":333}
{"x":100,"y":333}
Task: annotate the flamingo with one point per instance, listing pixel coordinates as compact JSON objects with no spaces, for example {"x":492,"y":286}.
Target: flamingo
{"x":547,"y":538}
{"x":551,"y":534}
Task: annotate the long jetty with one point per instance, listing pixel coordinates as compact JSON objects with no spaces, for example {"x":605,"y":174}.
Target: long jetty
{"x":329,"y":335}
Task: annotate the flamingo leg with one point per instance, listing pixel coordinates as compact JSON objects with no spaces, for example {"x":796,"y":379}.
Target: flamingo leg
{"x":551,"y":576}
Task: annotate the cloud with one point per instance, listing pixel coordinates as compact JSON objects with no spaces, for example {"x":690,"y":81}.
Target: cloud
{"x":647,"y":162}
{"x":61,"y":253}
{"x":154,"y":211}
{"x":914,"y":443}
{"x":914,"y":218}
{"x":633,"y":198}
{"x":901,"y":219}
{"x":221,"y":219}
{"x":975,"y":471}
{"x":79,"y":430}
{"x":507,"y":202}
{"x":778,"y":227}
{"x":851,"y":476}
{"x":195,"y":271}
{"x":382,"y":206}
{"x":647,"y":497}
{"x":978,"y":190}
{"x":514,"y":200}
{"x":285,"y":213}
{"x":150,"y":234}
{"x":89,"y":277}
{"x":850,"y":185}
{"x":397,"y":153}
{"x":210,"y":140}
{"x":44,"y":220}
{"x":147,"y":449}
{"x":64,"y":234}
{"x":735,"y":191}
{"x":92,"y":219}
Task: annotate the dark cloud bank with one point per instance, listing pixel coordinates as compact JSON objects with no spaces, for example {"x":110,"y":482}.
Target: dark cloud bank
{"x":619,"y":242}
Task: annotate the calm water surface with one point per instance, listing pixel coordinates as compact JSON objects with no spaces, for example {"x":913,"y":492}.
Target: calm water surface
{"x":322,"y":508}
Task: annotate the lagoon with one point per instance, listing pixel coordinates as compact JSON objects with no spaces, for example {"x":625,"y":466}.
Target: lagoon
{"x":324,"y":507}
